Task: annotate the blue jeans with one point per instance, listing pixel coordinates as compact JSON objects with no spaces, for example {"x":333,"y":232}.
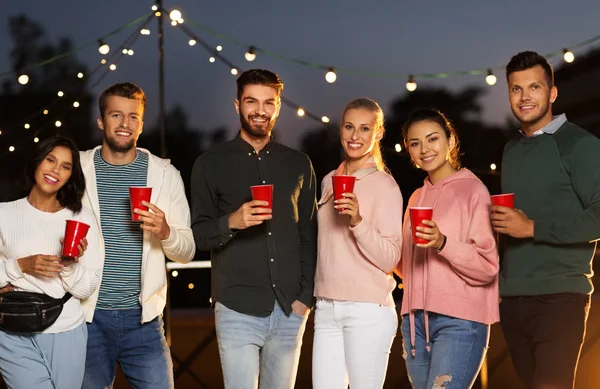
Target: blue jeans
{"x":457,"y":350}
{"x":43,"y":360}
{"x":141,"y":350}
{"x":251,"y":347}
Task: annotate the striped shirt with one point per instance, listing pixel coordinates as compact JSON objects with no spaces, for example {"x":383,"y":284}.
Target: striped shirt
{"x":123,"y":238}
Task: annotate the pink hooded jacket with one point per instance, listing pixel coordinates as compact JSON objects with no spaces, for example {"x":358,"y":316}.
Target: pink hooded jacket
{"x":462,"y":280}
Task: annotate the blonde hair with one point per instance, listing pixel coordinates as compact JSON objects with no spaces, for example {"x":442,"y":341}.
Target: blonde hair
{"x":371,"y":106}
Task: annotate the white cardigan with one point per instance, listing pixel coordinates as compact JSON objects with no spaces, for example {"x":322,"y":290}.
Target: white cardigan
{"x":168,"y":194}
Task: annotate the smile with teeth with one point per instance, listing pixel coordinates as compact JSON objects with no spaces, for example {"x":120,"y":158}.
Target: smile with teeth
{"x":50,"y":180}
{"x":354,"y":146}
{"x":428,"y":159}
{"x":123,"y":133}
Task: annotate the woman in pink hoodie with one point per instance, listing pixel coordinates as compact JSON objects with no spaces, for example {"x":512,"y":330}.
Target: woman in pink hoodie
{"x":360,"y":241}
{"x":451,"y":282}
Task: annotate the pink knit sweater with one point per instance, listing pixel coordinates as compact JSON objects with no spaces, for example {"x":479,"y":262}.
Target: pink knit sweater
{"x":356,"y":264}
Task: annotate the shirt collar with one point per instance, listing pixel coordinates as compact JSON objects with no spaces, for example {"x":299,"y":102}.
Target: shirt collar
{"x":247,"y":147}
{"x":551,"y":127}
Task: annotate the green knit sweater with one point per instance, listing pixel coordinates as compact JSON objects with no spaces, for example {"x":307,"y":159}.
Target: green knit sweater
{"x":556,"y":181}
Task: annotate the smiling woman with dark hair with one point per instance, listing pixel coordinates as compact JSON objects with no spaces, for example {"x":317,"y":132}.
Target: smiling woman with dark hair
{"x":31,"y":232}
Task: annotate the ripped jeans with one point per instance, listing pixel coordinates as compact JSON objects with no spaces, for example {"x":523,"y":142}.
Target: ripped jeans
{"x":458,"y":348}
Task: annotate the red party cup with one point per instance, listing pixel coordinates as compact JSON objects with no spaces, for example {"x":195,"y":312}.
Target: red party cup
{"x":342,"y":184}
{"x":137,"y":194}
{"x":417,"y":215}
{"x":74,"y":232}
{"x":505,"y":200}
{"x":263,"y":193}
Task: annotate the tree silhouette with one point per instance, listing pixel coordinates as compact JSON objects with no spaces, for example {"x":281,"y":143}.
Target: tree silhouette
{"x":24,"y":104}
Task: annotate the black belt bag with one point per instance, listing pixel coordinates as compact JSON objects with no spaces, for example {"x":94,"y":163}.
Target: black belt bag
{"x":28,"y":312}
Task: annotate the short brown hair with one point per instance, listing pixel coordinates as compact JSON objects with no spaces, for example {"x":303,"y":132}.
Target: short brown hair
{"x":125,"y":89}
{"x":258,"y":77}
{"x":528,"y":59}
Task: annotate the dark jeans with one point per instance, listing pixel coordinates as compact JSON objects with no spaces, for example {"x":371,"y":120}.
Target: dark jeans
{"x":544,"y":336}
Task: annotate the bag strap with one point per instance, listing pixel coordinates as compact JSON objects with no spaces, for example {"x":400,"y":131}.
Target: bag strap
{"x":66,"y":297}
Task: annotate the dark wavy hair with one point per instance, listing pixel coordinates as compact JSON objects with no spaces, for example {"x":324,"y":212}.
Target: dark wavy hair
{"x":527,"y":60}
{"x":258,"y":77}
{"x":69,"y":196}
{"x":435,"y":116}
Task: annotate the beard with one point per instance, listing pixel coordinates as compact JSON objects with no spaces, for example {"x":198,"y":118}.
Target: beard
{"x":116,"y":146}
{"x":257,"y":131}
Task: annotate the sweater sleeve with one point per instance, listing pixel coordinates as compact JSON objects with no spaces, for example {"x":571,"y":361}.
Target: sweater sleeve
{"x":380,"y":239}
{"x":81,"y":279}
{"x":583,"y":226}
{"x":180,"y":245}
{"x":476,"y":259}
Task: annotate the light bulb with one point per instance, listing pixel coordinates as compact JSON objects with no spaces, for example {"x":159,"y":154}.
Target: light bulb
{"x":60,"y":93}
{"x":490,"y":78}
{"x":103,"y":48}
{"x":27,"y":126}
{"x":175,"y":15}
{"x":234,"y":71}
{"x":493,"y":166}
{"x":23,"y":79}
{"x":569,"y":56}
{"x":211,"y":59}
{"x":112,"y":66}
{"x":325,"y":119}
{"x":250,"y":55}
{"x":192,"y":42}
{"x":76,"y":104}
{"x":398,"y":147}
{"x":411,"y":85}
{"x":330,"y":76}
{"x":79,"y":75}
{"x":36,"y":139}
{"x":58,"y":123}
{"x":219,"y":48}
{"x":11,"y":148}
{"x":300,"y":112}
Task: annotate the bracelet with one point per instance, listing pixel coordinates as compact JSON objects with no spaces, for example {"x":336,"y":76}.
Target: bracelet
{"x":439,"y":250}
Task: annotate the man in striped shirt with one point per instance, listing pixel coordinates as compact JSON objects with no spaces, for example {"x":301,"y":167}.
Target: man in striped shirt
{"x":124,"y":314}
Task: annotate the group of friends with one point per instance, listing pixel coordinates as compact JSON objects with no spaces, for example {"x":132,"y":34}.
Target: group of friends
{"x":527,"y":267}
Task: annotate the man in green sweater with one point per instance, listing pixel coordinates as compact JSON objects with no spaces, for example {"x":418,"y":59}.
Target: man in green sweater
{"x":553,"y":168}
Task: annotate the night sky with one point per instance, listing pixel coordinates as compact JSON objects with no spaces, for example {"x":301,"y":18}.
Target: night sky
{"x":382,"y":35}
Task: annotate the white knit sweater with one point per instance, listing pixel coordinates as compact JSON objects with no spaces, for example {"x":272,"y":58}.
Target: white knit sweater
{"x":25,"y":231}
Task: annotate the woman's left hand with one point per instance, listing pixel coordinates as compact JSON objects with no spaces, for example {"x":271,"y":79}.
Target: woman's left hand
{"x":82,"y":246}
{"x":431,"y":233}
{"x":349,"y":206}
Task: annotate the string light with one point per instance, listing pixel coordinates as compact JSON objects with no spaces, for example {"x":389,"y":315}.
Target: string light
{"x":325,"y":119}
{"x":130,"y":52}
{"x":27,"y":126}
{"x":112,"y":66}
{"x":45,"y":112}
{"x":175,"y":15}
{"x":493,"y":167}
{"x":192,"y":42}
{"x":124,"y":51}
{"x":173,"y":23}
{"x":157,"y":13}
{"x":234,"y":71}
{"x":411,"y":85}
{"x":76,"y":104}
{"x":211,"y":59}
{"x":250,"y":54}
{"x":568,"y":56}
{"x":103,"y":48}
{"x":11,"y":148}
{"x":145,"y":31}
{"x":330,"y":76}
{"x":79,"y":75}
{"x":174,"y":273}
{"x":60,"y":93}
{"x":23,"y":79}
{"x":300,"y":112}
{"x":58,"y":123}
{"x":490,"y":78}
{"x":36,"y":139}
{"x":398,"y":147}
{"x":180,"y":20}
{"x":155,"y":8}
{"x":103,"y":62}
{"x":219,"y":48}
{"x":0,"y":132}
{"x":190,"y":286}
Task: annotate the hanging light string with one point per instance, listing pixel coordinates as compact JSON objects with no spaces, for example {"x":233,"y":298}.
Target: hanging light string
{"x":371,"y":73}
{"x":54,"y":123}
{"x":12,"y":73}
{"x":215,"y":53}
